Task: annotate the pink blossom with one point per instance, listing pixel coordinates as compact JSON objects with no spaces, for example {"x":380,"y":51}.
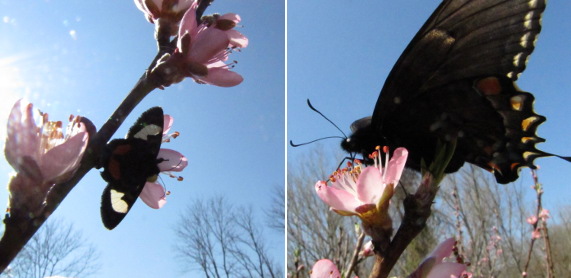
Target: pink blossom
{"x":155,"y":9}
{"x":535,"y":234}
{"x":40,"y":150}
{"x":205,"y":48}
{"x":368,"y":250}
{"x":544,"y":214}
{"x":356,"y":192}
{"x":154,"y":194}
{"x":325,"y":268}
{"x":532,"y":220}
{"x":434,"y":266}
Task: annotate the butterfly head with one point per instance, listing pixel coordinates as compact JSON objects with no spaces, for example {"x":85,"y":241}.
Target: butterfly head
{"x":363,"y":140}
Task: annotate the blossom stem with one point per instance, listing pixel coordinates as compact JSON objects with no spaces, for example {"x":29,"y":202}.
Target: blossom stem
{"x":538,"y":187}
{"x":202,"y":5}
{"x":417,"y":210}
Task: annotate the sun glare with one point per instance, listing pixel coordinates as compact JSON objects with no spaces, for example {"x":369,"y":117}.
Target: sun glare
{"x":12,"y":87}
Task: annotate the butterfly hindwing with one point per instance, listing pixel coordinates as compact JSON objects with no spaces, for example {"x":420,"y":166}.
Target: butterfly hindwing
{"x":456,"y":81}
{"x":128,"y":163}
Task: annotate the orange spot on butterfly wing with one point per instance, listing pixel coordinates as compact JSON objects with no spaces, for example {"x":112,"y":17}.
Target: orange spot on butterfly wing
{"x":489,"y":86}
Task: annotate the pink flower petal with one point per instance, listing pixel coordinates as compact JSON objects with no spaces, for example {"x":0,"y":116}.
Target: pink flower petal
{"x":370,"y":185}
{"x":182,"y":5}
{"x":140,"y":6}
{"x":168,"y":121}
{"x":153,"y":195}
{"x":188,"y":22}
{"x":237,"y":39}
{"x":336,"y":198}
{"x":208,"y":43}
{"x":443,"y":250}
{"x":446,"y":270}
{"x":173,"y":161}
{"x":325,"y":268}
{"x":368,"y":249}
{"x":22,"y":134}
{"x":396,"y":166}
{"x":222,"y":77}
{"x":65,"y":157}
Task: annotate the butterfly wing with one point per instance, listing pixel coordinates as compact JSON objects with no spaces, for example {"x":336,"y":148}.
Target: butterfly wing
{"x":455,"y":80}
{"x":128,"y":163}
{"x":463,"y":39}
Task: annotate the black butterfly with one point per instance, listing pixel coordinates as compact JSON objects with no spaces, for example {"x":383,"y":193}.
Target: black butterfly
{"x":456,"y":81}
{"x":128,"y":163}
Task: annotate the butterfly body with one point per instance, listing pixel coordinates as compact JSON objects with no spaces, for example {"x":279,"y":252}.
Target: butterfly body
{"x":455,"y":82}
{"x":128,"y":164}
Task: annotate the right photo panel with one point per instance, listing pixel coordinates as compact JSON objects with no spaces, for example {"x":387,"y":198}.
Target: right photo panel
{"x":428,"y":138}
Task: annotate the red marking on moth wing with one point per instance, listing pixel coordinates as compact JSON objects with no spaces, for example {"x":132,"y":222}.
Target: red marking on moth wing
{"x":489,"y":86}
{"x":122,"y":149}
{"x":114,"y":168}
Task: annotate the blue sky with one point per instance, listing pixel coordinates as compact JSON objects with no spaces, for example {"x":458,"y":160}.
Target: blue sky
{"x":83,"y":57}
{"x":340,"y":52}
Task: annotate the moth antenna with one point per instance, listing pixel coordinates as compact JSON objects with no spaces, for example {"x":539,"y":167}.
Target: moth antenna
{"x":317,"y":111}
{"x":328,"y":137}
{"x":164,"y":186}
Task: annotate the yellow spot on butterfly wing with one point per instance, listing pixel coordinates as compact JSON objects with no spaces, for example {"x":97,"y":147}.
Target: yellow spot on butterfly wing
{"x":525,"y":124}
{"x":532,"y":4}
{"x":517,"y":102}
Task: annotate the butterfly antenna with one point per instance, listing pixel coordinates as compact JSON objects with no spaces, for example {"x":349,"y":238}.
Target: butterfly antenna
{"x":318,"y":112}
{"x":328,"y":137}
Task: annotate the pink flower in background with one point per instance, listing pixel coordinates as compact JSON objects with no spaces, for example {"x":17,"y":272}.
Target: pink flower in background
{"x":40,"y":151}
{"x":532,"y":220}
{"x":155,"y":9}
{"x":536,"y":234}
{"x":544,"y":214}
{"x":367,"y":250}
{"x":154,"y":194}
{"x":356,"y":192}
{"x":205,"y":48}
{"x":434,"y":265}
{"x":325,"y":268}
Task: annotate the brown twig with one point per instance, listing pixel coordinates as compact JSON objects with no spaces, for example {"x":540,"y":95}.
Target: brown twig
{"x":355,"y":257}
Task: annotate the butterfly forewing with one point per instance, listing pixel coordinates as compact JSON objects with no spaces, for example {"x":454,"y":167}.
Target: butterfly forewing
{"x":128,"y":163}
{"x":463,"y":39}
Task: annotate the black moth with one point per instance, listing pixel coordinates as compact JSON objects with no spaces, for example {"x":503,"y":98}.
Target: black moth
{"x":456,"y":81}
{"x":128,"y":163}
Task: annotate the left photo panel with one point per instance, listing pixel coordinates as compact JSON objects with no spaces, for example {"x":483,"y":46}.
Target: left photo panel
{"x":142,"y":138}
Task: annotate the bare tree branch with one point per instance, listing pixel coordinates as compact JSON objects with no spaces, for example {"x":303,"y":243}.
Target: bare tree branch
{"x":57,"y":249}
{"x":224,"y":241}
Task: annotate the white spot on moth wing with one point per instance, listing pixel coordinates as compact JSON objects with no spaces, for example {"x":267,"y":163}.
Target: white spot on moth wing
{"x":148,"y":130}
{"x":118,"y":204}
